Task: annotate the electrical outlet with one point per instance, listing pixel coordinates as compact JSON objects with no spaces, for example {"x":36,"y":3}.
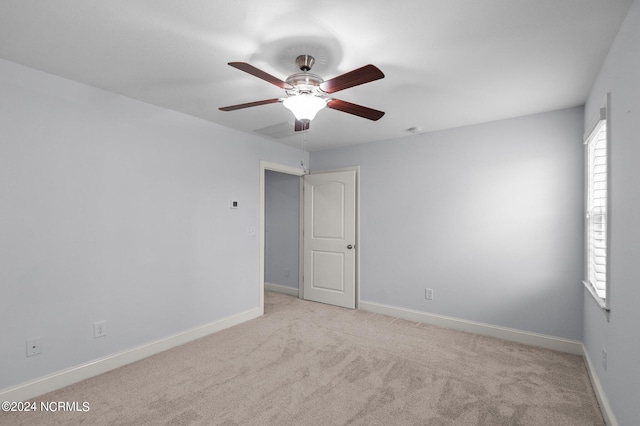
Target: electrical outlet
{"x":428,"y":293}
{"x":34,"y":346}
{"x":99,"y":329}
{"x":286,"y":272}
{"x":604,"y":359}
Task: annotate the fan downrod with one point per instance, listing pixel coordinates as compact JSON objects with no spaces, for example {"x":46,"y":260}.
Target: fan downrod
{"x":305,"y":62}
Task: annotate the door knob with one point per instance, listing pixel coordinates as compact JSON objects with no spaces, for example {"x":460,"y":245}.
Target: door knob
{"x":349,"y":246}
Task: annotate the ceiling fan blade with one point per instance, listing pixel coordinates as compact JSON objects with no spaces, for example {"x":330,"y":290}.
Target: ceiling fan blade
{"x":300,"y":125}
{"x":248,"y":68}
{"x":362,"y":75}
{"x":250,"y":104}
{"x":359,"y":110}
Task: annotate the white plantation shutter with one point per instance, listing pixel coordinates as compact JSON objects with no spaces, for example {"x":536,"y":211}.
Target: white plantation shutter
{"x":596,"y":208}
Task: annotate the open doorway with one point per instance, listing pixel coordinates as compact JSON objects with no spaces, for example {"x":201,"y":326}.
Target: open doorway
{"x":282,"y":233}
{"x":279,"y":183}
{"x":339,"y":280}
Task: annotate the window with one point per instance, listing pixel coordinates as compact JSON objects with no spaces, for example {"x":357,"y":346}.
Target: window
{"x":596,"y":213}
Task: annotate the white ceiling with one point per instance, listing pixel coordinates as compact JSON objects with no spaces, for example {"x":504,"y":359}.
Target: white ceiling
{"x":448,"y":63}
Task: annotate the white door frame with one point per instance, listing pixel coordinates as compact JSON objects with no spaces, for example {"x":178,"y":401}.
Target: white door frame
{"x":297,"y":171}
{"x":281,"y":168}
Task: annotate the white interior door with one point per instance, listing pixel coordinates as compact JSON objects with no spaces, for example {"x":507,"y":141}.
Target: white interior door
{"x":330,"y":238}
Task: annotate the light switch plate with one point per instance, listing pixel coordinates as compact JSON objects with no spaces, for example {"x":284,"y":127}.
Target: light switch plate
{"x":428,"y":293}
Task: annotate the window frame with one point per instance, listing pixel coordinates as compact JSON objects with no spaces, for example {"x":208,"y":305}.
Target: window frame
{"x":602,"y":119}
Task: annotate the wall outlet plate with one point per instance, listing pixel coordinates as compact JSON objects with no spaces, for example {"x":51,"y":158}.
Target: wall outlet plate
{"x":34,"y":346}
{"x":99,"y":329}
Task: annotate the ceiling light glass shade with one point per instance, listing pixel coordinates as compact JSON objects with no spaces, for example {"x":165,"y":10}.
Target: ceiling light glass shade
{"x":304,"y":107}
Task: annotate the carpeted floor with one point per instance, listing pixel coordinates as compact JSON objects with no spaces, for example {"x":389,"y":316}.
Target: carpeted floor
{"x":306,"y":363}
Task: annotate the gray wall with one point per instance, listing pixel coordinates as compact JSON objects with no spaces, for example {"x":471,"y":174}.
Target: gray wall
{"x":282,"y":233}
{"x":489,"y":216}
{"x":113,"y":209}
{"x":620,"y":75}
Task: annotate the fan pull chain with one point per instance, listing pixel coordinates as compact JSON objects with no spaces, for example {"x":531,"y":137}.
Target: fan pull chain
{"x":304,"y":135}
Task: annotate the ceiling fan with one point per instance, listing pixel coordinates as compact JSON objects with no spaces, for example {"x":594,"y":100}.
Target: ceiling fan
{"x":307,"y":93}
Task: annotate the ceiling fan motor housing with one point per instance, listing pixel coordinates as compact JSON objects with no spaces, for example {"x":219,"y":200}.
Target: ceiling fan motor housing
{"x":304,"y":83}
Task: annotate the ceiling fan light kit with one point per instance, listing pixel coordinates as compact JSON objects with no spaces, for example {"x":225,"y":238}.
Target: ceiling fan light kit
{"x":304,"y":106}
{"x":307,"y":93}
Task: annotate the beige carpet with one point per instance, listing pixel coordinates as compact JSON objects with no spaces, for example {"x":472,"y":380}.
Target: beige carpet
{"x":306,"y":363}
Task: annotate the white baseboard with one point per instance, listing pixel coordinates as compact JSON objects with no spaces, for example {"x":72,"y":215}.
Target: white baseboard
{"x":281,"y":289}
{"x":78,"y":373}
{"x":510,"y":334}
{"x":605,"y":407}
